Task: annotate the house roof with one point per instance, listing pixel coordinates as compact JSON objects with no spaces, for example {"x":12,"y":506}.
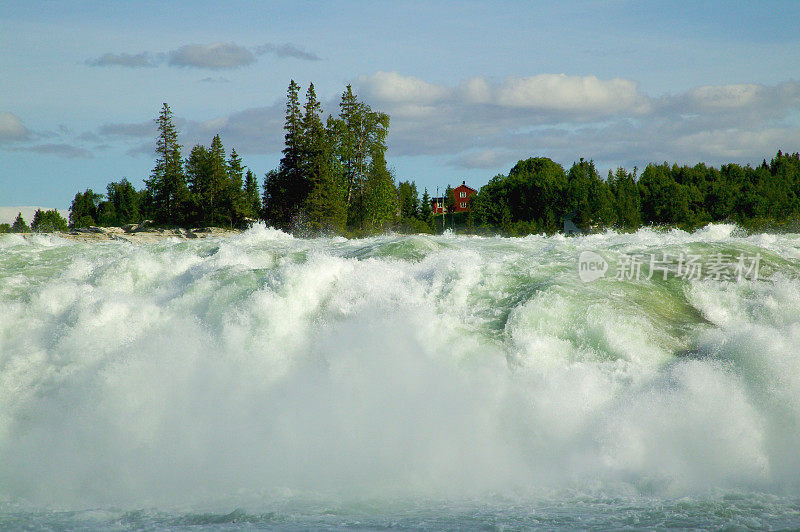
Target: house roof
{"x":465,"y":185}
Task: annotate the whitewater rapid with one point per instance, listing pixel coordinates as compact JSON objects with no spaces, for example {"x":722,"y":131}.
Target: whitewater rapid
{"x":263,"y":366}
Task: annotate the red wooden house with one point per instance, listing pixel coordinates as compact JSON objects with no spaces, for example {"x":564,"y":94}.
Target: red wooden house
{"x":462,"y":195}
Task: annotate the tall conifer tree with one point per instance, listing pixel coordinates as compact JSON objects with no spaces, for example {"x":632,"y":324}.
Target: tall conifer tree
{"x":286,"y":190}
{"x":324,"y":205}
{"x":252,"y":200}
{"x":167,"y":183}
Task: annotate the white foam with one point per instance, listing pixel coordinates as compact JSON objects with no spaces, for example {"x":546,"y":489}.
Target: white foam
{"x":389,"y":366}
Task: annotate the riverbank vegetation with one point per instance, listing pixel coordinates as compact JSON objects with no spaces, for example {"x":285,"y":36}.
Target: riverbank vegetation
{"x":333,"y":179}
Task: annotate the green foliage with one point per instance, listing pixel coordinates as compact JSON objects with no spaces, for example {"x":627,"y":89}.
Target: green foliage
{"x":626,"y":198}
{"x":106,"y":215}
{"x":328,"y":173}
{"x":409,"y":199}
{"x":125,"y":202}
{"x":380,"y":196}
{"x":325,"y":206}
{"x":167,"y":183}
{"x":83,"y":210}
{"x":357,"y":137}
{"x":19,"y":225}
{"x":425,"y":209}
{"x":48,"y":221}
{"x":5,"y":228}
{"x":286,"y":190}
{"x":252,"y":199}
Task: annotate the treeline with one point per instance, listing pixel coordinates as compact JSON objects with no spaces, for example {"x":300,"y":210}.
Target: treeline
{"x":332,"y":178}
{"x":538,"y":193}
{"x":205,"y":189}
{"x":43,"y":222}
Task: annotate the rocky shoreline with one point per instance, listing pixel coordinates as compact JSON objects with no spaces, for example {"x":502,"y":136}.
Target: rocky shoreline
{"x":142,"y":233}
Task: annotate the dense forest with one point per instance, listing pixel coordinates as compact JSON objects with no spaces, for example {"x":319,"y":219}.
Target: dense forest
{"x":333,"y":179}
{"x":537,"y":193}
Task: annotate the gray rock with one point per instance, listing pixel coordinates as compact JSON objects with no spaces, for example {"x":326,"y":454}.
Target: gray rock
{"x":146,"y":225}
{"x":90,"y":229}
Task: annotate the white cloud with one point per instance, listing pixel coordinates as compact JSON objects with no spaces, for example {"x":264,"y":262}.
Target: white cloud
{"x":11,"y":128}
{"x":215,"y":56}
{"x":738,"y":143}
{"x":482,"y":124}
{"x":476,"y":90}
{"x":391,"y":87}
{"x":482,"y":159}
{"x":579,"y":94}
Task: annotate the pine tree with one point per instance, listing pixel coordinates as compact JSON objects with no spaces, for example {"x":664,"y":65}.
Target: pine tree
{"x":167,"y":183}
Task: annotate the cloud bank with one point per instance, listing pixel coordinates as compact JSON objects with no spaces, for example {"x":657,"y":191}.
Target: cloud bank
{"x":486,"y":124}
{"x":481,"y":123}
{"x":214,"y":56}
{"x":59,"y":149}
{"x":286,"y":50}
{"x":140,"y":60}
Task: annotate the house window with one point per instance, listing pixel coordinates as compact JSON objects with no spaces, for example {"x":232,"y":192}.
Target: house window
{"x":463,"y":195}
{"x":463,"y":204}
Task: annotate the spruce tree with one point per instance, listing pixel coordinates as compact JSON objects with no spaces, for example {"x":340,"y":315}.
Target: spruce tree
{"x":324,"y":205}
{"x":233,"y":195}
{"x":19,"y":225}
{"x":287,"y":189}
{"x":217,"y":182}
{"x":380,"y":195}
{"x":425,"y":210}
{"x":198,"y":177}
{"x":252,"y":200}
{"x":167,"y":183}
{"x":125,"y":201}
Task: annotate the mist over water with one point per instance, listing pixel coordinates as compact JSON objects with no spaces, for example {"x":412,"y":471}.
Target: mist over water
{"x":250,"y":371}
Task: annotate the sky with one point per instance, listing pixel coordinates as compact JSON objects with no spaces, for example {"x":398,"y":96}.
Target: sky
{"x":471,"y":87}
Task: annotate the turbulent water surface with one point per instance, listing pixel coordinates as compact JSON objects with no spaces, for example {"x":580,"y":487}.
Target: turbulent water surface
{"x":401,"y":381}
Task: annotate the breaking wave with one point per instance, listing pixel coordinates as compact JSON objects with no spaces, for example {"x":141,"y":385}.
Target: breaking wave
{"x":262,"y":366}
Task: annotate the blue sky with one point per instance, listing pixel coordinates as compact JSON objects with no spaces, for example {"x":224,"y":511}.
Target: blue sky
{"x":471,"y":87}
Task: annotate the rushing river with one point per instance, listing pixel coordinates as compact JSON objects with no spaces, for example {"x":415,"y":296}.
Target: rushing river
{"x":261,"y":381}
